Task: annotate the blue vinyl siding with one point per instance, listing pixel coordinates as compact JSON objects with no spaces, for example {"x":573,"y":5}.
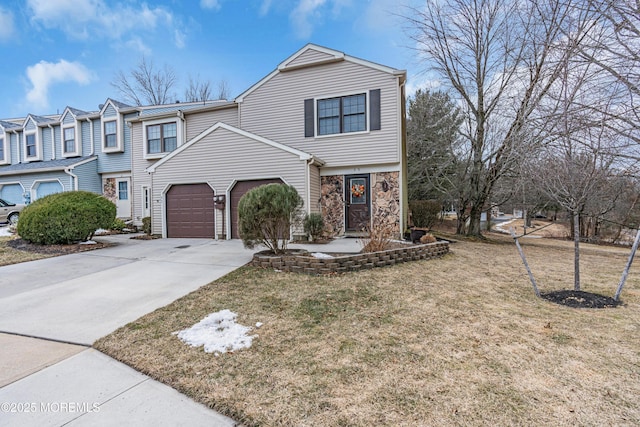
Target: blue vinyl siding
{"x":117,"y":162}
{"x":45,"y":138}
{"x":68,"y":119}
{"x":110,"y":111}
{"x":30,"y":125}
{"x":28,"y":181}
{"x":13,"y":146}
{"x":88,"y":178}
{"x":85,"y":132}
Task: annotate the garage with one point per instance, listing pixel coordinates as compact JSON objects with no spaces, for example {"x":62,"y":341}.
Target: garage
{"x":190,"y":211}
{"x":237,"y":192}
{"x":12,"y":193}
{"x":45,"y":188}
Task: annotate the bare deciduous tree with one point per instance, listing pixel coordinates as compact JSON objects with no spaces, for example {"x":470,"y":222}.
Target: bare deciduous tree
{"x":197,"y":90}
{"x":146,"y":84}
{"x":499,"y":57}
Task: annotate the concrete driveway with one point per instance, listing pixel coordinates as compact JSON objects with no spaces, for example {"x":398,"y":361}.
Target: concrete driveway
{"x":66,"y":303}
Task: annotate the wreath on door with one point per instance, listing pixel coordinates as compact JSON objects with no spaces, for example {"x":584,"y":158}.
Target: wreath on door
{"x":357,"y":190}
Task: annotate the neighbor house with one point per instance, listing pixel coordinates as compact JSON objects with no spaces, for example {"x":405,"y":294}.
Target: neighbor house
{"x":329,"y":124}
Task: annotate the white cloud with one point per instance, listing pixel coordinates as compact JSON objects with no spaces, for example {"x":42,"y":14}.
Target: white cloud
{"x":89,"y":18}
{"x":265,"y":7}
{"x":180,"y":39}
{"x":301,"y":16}
{"x":136,"y":43}
{"x":6,"y":24}
{"x":210,"y":4}
{"x":45,"y":74}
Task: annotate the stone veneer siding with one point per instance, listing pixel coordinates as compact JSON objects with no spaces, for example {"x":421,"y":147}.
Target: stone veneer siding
{"x":385,"y":204}
{"x":109,"y":189}
{"x":298,"y":263}
{"x":332,"y":204}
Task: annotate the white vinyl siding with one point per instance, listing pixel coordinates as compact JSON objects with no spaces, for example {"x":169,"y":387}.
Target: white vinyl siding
{"x":275,"y":110}
{"x":220,"y":159}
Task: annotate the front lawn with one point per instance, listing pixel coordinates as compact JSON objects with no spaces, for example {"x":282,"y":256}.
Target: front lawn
{"x":9,"y":255}
{"x":459,"y":340}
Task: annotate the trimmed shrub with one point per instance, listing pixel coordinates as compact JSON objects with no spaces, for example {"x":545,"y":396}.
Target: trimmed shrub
{"x":313,"y":225}
{"x":65,"y":218}
{"x":425,"y":212}
{"x":265,"y":216}
{"x":118,"y":225}
{"x":146,"y":225}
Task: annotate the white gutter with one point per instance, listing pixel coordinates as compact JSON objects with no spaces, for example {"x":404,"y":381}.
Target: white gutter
{"x":53,"y":142}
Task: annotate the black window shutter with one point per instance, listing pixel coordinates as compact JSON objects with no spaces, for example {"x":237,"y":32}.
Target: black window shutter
{"x":374,"y":113}
{"x":309,"y":122}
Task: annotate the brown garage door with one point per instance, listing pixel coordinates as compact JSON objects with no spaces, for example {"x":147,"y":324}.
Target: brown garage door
{"x":190,"y":211}
{"x":237,"y":192}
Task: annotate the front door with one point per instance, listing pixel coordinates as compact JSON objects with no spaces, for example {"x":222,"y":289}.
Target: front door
{"x":358,"y":211}
{"x":123,"y":199}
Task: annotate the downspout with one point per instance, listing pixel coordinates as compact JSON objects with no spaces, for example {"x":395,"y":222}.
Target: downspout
{"x":53,"y":142}
{"x":74,"y":178}
{"x":91,"y":137}
{"x":180,"y":115}
{"x":404,"y":203}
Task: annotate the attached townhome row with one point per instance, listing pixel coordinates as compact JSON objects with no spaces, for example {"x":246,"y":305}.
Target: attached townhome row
{"x":329,"y":124}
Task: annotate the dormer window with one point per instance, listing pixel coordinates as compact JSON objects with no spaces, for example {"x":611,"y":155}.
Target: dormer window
{"x":110,"y":134}
{"x":70,"y":143}
{"x":32,"y":148}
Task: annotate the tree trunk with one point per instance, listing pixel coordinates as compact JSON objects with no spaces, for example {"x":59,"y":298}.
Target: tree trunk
{"x":474,"y":222}
{"x":576,"y":245}
{"x":488,"y":228}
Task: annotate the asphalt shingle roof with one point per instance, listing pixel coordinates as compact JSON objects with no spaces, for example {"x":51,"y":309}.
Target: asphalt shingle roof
{"x":34,"y":167}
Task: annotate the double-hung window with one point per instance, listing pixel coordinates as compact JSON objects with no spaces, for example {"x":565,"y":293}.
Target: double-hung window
{"x":2,"y":155}
{"x":110,"y":134}
{"x":342,"y":115}
{"x":69,"y":140}
{"x":162,"y":138}
{"x":31,"y":148}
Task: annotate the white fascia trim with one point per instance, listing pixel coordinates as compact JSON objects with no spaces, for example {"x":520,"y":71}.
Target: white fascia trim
{"x":357,"y":169}
{"x":38,"y":141}
{"x":302,"y":155}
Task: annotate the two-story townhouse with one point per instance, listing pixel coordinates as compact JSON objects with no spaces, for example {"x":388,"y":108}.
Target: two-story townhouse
{"x":330,"y":124}
{"x":75,"y":150}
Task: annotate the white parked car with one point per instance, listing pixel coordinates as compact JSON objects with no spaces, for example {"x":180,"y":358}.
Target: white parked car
{"x":10,"y":212}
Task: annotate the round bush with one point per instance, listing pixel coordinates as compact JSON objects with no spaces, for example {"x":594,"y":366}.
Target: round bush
{"x":64,"y":218}
{"x":265,"y":215}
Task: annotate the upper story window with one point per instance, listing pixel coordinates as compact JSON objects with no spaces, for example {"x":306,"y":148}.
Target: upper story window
{"x":3,"y":159}
{"x":359,"y":112}
{"x":30,"y":144}
{"x":162,"y":138}
{"x":342,"y":115}
{"x":69,"y":140}
{"x":110,"y":134}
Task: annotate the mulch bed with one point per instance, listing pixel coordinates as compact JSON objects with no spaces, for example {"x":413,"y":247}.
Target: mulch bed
{"x":23,"y":245}
{"x":580,"y":299}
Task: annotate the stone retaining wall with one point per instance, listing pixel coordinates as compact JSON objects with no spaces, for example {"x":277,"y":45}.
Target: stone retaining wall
{"x":304,"y":263}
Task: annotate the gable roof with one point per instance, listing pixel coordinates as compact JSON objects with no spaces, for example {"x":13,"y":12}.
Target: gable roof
{"x":220,"y":125}
{"x":39,"y":120}
{"x":116,"y":104}
{"x":9,"y":125}
{"x":317,"y":55}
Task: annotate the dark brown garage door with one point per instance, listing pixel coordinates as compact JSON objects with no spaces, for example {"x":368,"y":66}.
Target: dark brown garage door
{"x":190,"y":211}
{"x":237,"y":192}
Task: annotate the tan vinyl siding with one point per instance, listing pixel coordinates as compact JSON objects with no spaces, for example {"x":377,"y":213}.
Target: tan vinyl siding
{"x":199,"y":122}
{"x":309,"y":57}
{"x":276,"y":111}
{"x":315,"y":189}
{"x":220,"y":159}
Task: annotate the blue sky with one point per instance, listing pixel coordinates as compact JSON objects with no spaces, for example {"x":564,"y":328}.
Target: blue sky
{"x":66,"y":52}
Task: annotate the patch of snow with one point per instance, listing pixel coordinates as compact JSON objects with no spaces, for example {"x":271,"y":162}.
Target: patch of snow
{"x":5,"y":231}
{"x":500,"y":226}
{"x":88,"y":242}
{"x":101,"y":232}
{"x":321,"y":255}
{"x":218,"y":333}
{"x":259,"y":324}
